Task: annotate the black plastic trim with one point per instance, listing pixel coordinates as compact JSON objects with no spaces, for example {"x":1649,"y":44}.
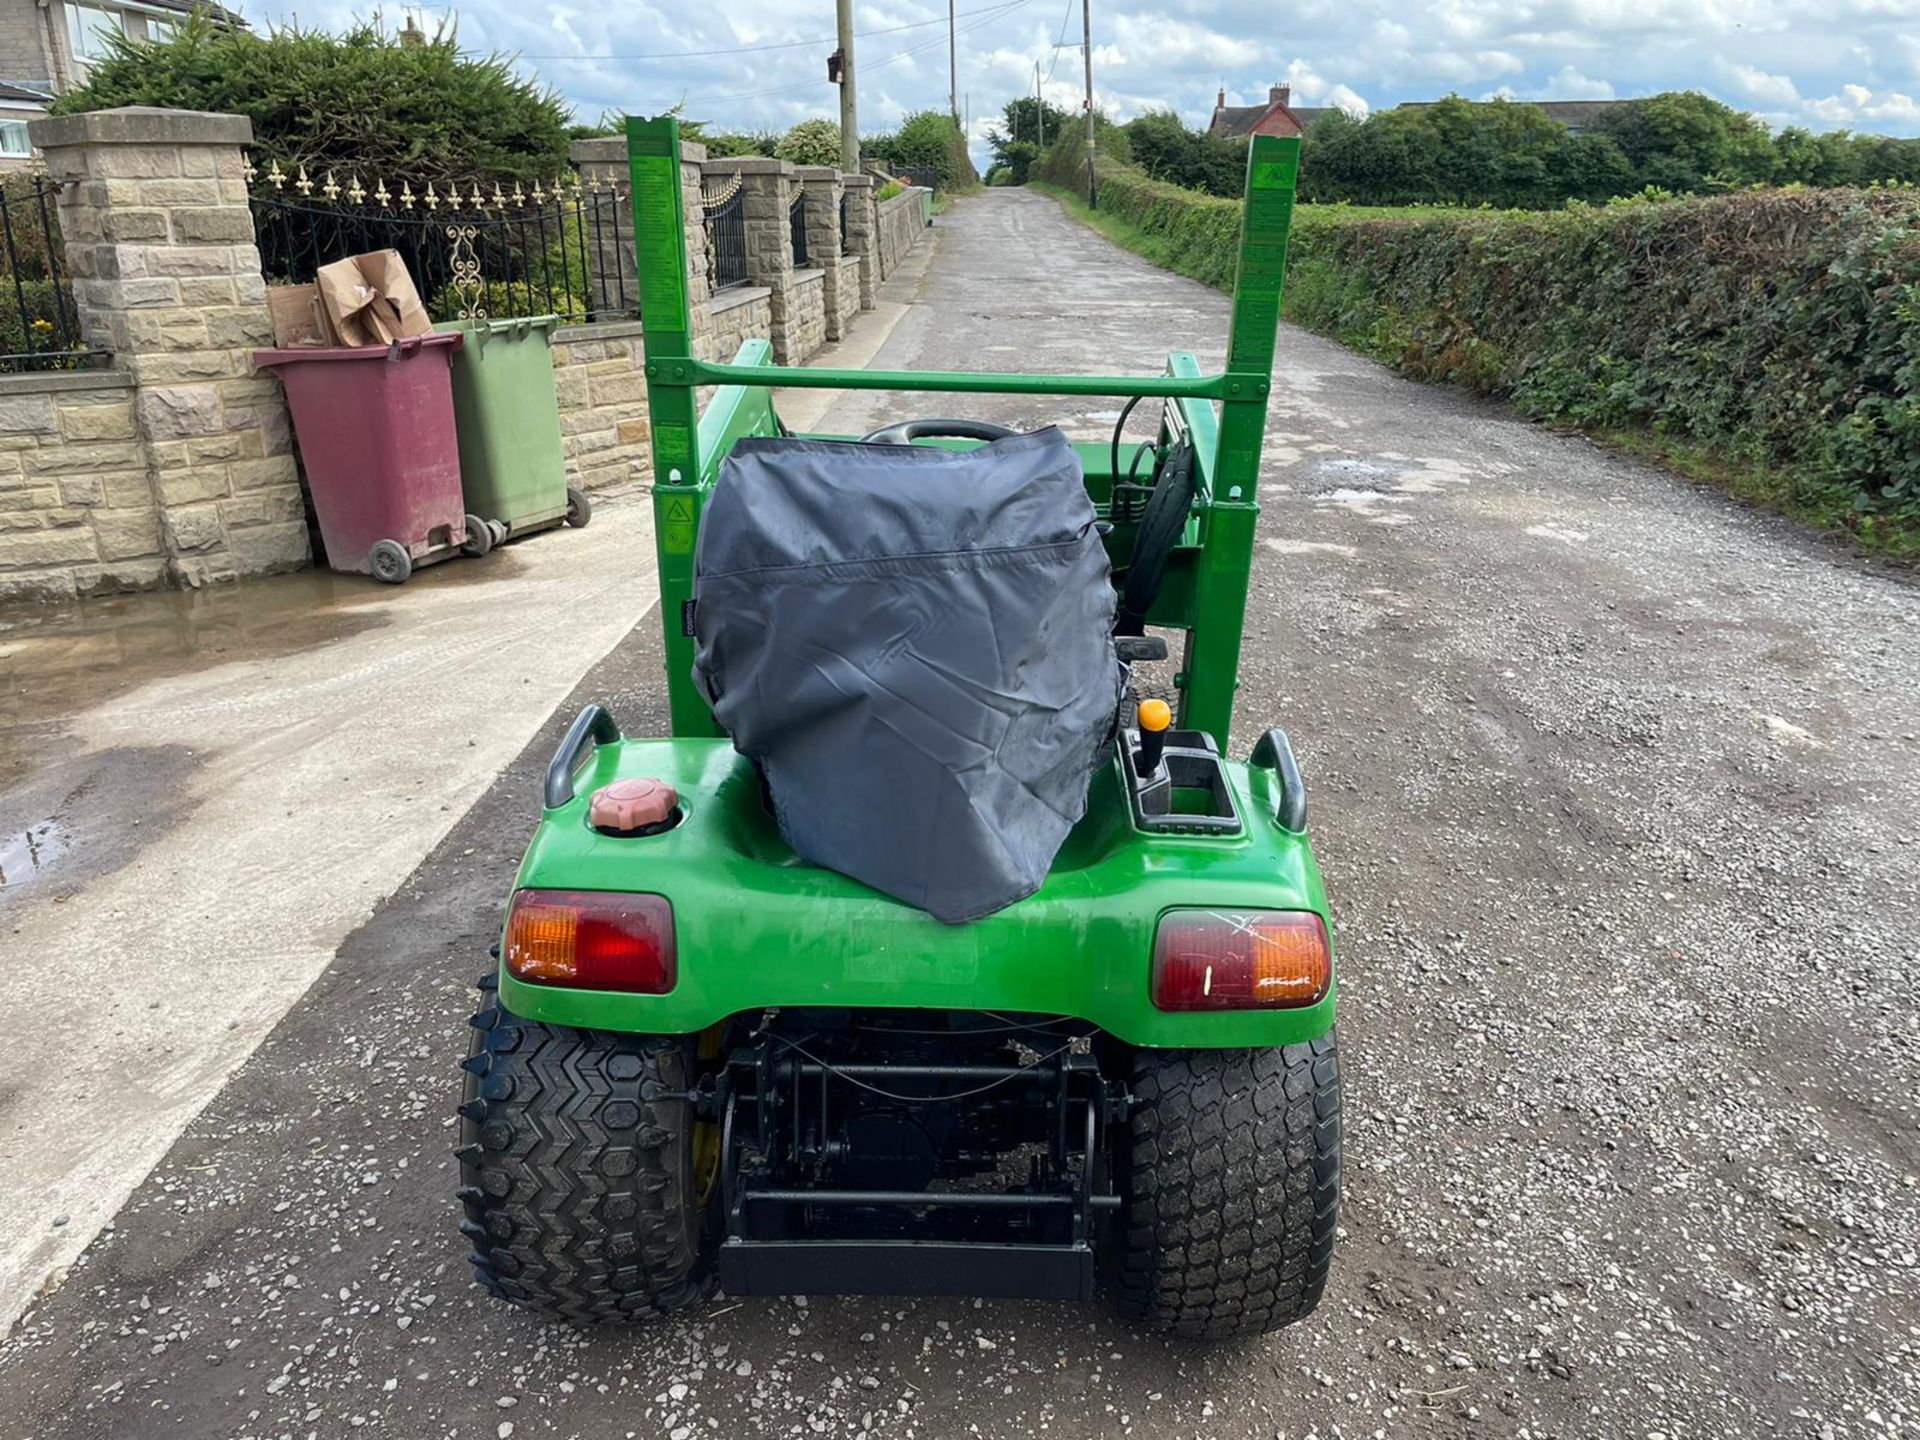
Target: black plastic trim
{"x":1275,"y":752}
{"x":592,"y":724}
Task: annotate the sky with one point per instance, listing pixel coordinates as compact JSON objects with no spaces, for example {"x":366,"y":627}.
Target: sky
{"x":1823,"y":64}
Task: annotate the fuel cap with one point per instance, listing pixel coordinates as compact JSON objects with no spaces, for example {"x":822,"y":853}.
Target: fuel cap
{"x":641,"y":806}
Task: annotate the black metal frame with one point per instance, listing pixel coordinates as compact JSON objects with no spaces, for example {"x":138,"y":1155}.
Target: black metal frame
{"x":797,"y":229}
{"x":727,"y":238}
{"x":814,"y":1101}
{"x":562,"y":256}
{"x":46,"y":318}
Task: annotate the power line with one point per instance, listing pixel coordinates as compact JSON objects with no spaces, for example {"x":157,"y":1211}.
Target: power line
{"x":1066,"y":18}
{"x":757,"y":49}
{"x":990,"y":13}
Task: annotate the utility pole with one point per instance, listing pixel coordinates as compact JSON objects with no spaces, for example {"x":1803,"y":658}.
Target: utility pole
{"x":1086,"y":47}
{"x":1039,"y":105}
{"x":953,"y":68}
{"x":849,"y":119}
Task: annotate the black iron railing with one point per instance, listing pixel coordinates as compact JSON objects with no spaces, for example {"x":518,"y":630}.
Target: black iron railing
{"x":797,"y":226}
{"x":727,"y":238}
{"x":39,"y":320}
{"x":565,"y":251}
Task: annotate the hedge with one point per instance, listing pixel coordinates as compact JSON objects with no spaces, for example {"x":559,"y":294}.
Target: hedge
{"x":1773,"y":328}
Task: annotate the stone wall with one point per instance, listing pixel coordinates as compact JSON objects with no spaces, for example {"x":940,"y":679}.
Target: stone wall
{"x":599,"y":371}
{"x":902,"y":224}
{"x":741,"y":314}
{"x":76,"y":514}
{"x":807,"y":315}
{"x":159,"y":245}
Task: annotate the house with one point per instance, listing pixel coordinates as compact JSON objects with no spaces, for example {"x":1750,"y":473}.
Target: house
{"x":1279,"y":117}
{"x":1276,"y":117}
{"x":47,"y":45}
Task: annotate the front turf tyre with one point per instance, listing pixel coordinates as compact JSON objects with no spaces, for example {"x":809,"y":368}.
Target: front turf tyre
{"x":1230,"y":1184}
{"x":577,"y":1175}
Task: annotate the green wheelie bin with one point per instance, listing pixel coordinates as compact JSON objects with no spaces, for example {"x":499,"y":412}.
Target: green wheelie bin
{"x":507,"y":413}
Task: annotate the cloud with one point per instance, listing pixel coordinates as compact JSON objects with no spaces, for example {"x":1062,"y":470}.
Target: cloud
{"x":1821,"y":63}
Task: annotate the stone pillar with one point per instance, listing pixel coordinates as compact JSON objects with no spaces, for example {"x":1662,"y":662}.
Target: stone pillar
{"x":767,"y":194}
{"x":863,"y":235}
{"x":159,"y":242}
{"x":820,"y":190}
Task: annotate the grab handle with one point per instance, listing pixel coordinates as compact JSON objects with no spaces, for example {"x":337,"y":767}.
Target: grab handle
{"x":592,"y":726}
{"x":1275,"y":753}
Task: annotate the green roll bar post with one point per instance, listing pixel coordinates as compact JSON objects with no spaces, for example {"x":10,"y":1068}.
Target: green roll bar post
{"x":685,"y":461}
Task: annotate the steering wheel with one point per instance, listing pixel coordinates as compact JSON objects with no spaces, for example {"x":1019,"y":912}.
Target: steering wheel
{"x":905,"y":432}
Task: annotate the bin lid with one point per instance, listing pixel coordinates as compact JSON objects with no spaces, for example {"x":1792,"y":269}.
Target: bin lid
{"x":511,"y":326}
{"x":402,"y":349}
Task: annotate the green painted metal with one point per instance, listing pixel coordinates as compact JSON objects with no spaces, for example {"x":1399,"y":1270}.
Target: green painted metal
{"x":506,"y":411}
{"x":757,"y":927}
{"x":1212,"y":665}
{"x":953,"y":382}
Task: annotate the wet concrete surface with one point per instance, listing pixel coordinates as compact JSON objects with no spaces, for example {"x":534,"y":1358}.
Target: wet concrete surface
{"x":201,"y":794}
{"x":1616,"y":788}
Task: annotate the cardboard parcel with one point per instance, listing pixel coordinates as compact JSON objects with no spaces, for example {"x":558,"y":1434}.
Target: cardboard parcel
{"x":369,"y":300}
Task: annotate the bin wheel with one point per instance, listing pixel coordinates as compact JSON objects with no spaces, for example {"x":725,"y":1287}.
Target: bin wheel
{"x":479,"y":537}
{"x":390,"y":562}
{"x":500,"y":532}
{"x":579,"y":508}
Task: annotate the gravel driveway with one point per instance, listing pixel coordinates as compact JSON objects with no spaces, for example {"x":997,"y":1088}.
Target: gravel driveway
{"x":1617,"y":788}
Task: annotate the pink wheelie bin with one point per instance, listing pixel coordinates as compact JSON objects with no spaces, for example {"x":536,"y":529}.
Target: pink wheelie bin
{"x":376,"y":434}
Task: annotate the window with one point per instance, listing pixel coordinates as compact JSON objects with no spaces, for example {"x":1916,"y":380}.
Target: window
{"x":87,"y":28}
{"x":160,"y":31}
{"x":13,"y":138}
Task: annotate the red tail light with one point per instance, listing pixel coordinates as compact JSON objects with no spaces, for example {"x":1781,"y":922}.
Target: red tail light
{"x":1240,"y":960}
{"x":591,"y":940}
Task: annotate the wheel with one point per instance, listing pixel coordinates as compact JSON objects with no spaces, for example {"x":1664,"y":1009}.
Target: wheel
{"x":1230,"y":1177}
{"x":581,"y":1193}
{"x":479,"y":537}
{"x":579,"y":508}
{"x":500,"y":532}
{"x":389,"y":561}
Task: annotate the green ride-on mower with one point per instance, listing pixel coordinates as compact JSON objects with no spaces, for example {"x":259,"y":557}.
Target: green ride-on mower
{"x":922,"y":958}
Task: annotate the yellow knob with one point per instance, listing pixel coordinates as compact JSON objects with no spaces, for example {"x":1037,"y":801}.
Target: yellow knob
{"x":1154,"y":715}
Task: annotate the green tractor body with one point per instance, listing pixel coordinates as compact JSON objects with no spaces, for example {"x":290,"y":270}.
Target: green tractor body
{"x":829,"y":1090}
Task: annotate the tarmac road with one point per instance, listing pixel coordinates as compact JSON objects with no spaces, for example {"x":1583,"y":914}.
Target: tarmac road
{"x":1617,"y":786}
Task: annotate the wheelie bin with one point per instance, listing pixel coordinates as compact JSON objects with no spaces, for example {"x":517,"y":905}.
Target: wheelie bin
{"x":377,"y":438}
{"x":505,"y":405}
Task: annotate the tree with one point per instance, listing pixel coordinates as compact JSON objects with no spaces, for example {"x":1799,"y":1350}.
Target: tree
{"x":359,"y":101}
{"x":1021,"y":120}
{"x":1167,"y":150}
{"x":811,"y":142}
{"x":930,"y":140}
{"x":1683,"y":141}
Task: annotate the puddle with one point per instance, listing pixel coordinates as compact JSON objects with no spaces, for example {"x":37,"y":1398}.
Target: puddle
{"x":26,"y":853}
{"x":1356,"y":496}
{"x":57,"y":661}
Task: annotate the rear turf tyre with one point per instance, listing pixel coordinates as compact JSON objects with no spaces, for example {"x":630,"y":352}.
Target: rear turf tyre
{"x":1230,"y":1177}
{"x":579,"y":1190}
